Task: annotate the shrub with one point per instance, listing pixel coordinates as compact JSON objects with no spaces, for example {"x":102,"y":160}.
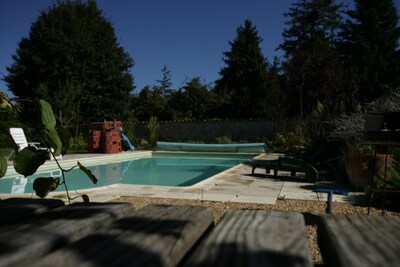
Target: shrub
{"x":79,"y":143}
{"x":224,"y":140}
{"x":288,"y":143}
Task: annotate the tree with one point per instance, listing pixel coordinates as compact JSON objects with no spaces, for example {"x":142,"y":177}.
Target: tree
{"x":72,"y":59}
{"x":312,"y":26}
{"x":165,"y":83}
{"x":151,"y":102}
{"x":244,"y":79}
{"x":369,"y":45}
{"x":192,"y":101}
{"x":313,"y":73}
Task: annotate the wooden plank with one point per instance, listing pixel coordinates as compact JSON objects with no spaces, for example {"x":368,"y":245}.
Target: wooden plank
{"x":359,"y":240}
{"x":21,"y":210}
{"x":152,"y":236}
{"x":255,"y":238}
{"x":26,"y":243}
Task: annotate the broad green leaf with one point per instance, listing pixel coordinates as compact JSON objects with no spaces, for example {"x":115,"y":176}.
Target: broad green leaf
{"x":54,"y":140}
{"x":4,"y":102}
{"x":88,"y":173}
{"x":3,"y":166}
{"x":29,"y":160}
{"x":45,"y":114}
{"x":44,"y":185}
{"x":85,"y":198}
{"x":66,"y":139}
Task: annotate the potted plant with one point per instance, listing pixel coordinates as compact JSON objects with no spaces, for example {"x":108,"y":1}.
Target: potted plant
{"x":361,"y":163}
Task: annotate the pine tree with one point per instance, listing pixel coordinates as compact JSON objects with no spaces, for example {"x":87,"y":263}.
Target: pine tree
{"x":312,"y":69}
{"x":165,"y":83}
{"x":312,"y":26}
{"x":71,"y":58}
{"x":244,"y":79}
{"x":369,"y":46}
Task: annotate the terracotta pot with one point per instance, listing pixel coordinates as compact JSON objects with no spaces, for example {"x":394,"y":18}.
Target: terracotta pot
{"x":359,"y":168}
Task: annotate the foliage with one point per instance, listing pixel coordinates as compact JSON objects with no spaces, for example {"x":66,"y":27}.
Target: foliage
{"x":389,"y":102}
{"x":348,"y":127}
{"x":153,"y":130}
{"x":72,"y":60}
{"x":312,"y":78}
{"x":129,"y":129}
{"x":312,"y":70}
{"x":287,"y":143}
{"x":79,"y":143}
{"x":29,"y":159}
{"x":224,"y":140}
{"x":312,"y":26}
{"x":192,"y":101}
{"x":151,"y":102}
{"x":66,"y":139}
{"x":244,"y":82}
{"x":381,"y":184}
{"x":369,"y":44}
{"x":165,"y":83}
{"x":144,"y":144}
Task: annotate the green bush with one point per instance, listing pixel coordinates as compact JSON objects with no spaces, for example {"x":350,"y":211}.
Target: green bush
{"x":224,"y":140}
{"x":153,"y":130}
{"x":79,"y":144}
{"x":288,"y":143}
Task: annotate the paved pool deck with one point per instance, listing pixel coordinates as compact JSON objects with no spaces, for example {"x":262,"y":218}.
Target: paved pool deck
{"x":233,"y":185}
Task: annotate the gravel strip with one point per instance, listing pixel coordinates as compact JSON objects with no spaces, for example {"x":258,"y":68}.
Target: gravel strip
{"x":310,"y":210}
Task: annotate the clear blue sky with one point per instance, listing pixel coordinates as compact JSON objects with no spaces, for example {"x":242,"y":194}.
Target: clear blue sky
{"x":189,"y":37}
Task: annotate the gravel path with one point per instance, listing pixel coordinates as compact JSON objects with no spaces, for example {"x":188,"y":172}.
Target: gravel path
{"x":310,"y":210}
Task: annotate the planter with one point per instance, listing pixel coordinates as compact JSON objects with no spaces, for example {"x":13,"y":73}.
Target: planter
{"x":359,"y":168}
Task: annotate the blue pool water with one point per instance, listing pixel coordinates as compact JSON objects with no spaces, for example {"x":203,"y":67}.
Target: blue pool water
{"x":168,"y":169}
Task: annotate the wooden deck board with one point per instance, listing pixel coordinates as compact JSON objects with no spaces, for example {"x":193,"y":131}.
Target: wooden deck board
{"x":152,"y":236}
{"x":24,"y":244}
{"x":255,"y":238}
{"x":19,"y":210}
{"x":359,"y":240}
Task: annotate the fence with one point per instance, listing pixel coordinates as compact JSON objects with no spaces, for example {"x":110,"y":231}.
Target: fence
{"x":209,"y":131}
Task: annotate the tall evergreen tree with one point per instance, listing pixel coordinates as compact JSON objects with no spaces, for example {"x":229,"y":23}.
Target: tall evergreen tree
{"x":165,"y":83}
{"x":312,"y":26}
{"x":369,"y":46}
{"x":244,"y":79}
{"x":312,"y":68}
{"x":73,"y":60}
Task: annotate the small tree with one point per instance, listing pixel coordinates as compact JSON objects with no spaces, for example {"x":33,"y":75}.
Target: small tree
{"x":165,"y":83}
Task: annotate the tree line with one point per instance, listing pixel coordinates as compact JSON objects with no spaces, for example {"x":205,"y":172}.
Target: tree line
{"x":336,"y":60}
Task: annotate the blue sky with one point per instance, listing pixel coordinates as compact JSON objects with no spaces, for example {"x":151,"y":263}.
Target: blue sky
{"x":189,"y":37}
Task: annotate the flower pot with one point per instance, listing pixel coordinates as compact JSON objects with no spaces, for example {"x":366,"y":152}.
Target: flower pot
{"x":359,"y":168}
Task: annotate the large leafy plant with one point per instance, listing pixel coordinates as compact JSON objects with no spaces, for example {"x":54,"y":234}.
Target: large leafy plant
{"x":38,"y":115}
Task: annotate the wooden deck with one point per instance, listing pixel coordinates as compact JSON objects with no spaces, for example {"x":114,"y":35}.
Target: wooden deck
{"x":47,"y":233}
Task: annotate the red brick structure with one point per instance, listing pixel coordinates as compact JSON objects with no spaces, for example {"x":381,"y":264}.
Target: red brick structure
{"x":105,"y":137}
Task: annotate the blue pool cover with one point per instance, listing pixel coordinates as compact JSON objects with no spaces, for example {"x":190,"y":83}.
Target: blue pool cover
{"x":246,"y":147}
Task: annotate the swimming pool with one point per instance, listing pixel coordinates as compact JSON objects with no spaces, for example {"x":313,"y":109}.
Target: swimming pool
{"x":159,"y":168}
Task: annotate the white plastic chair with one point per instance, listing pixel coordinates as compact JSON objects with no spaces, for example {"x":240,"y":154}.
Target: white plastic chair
{"x":20,"y":140}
